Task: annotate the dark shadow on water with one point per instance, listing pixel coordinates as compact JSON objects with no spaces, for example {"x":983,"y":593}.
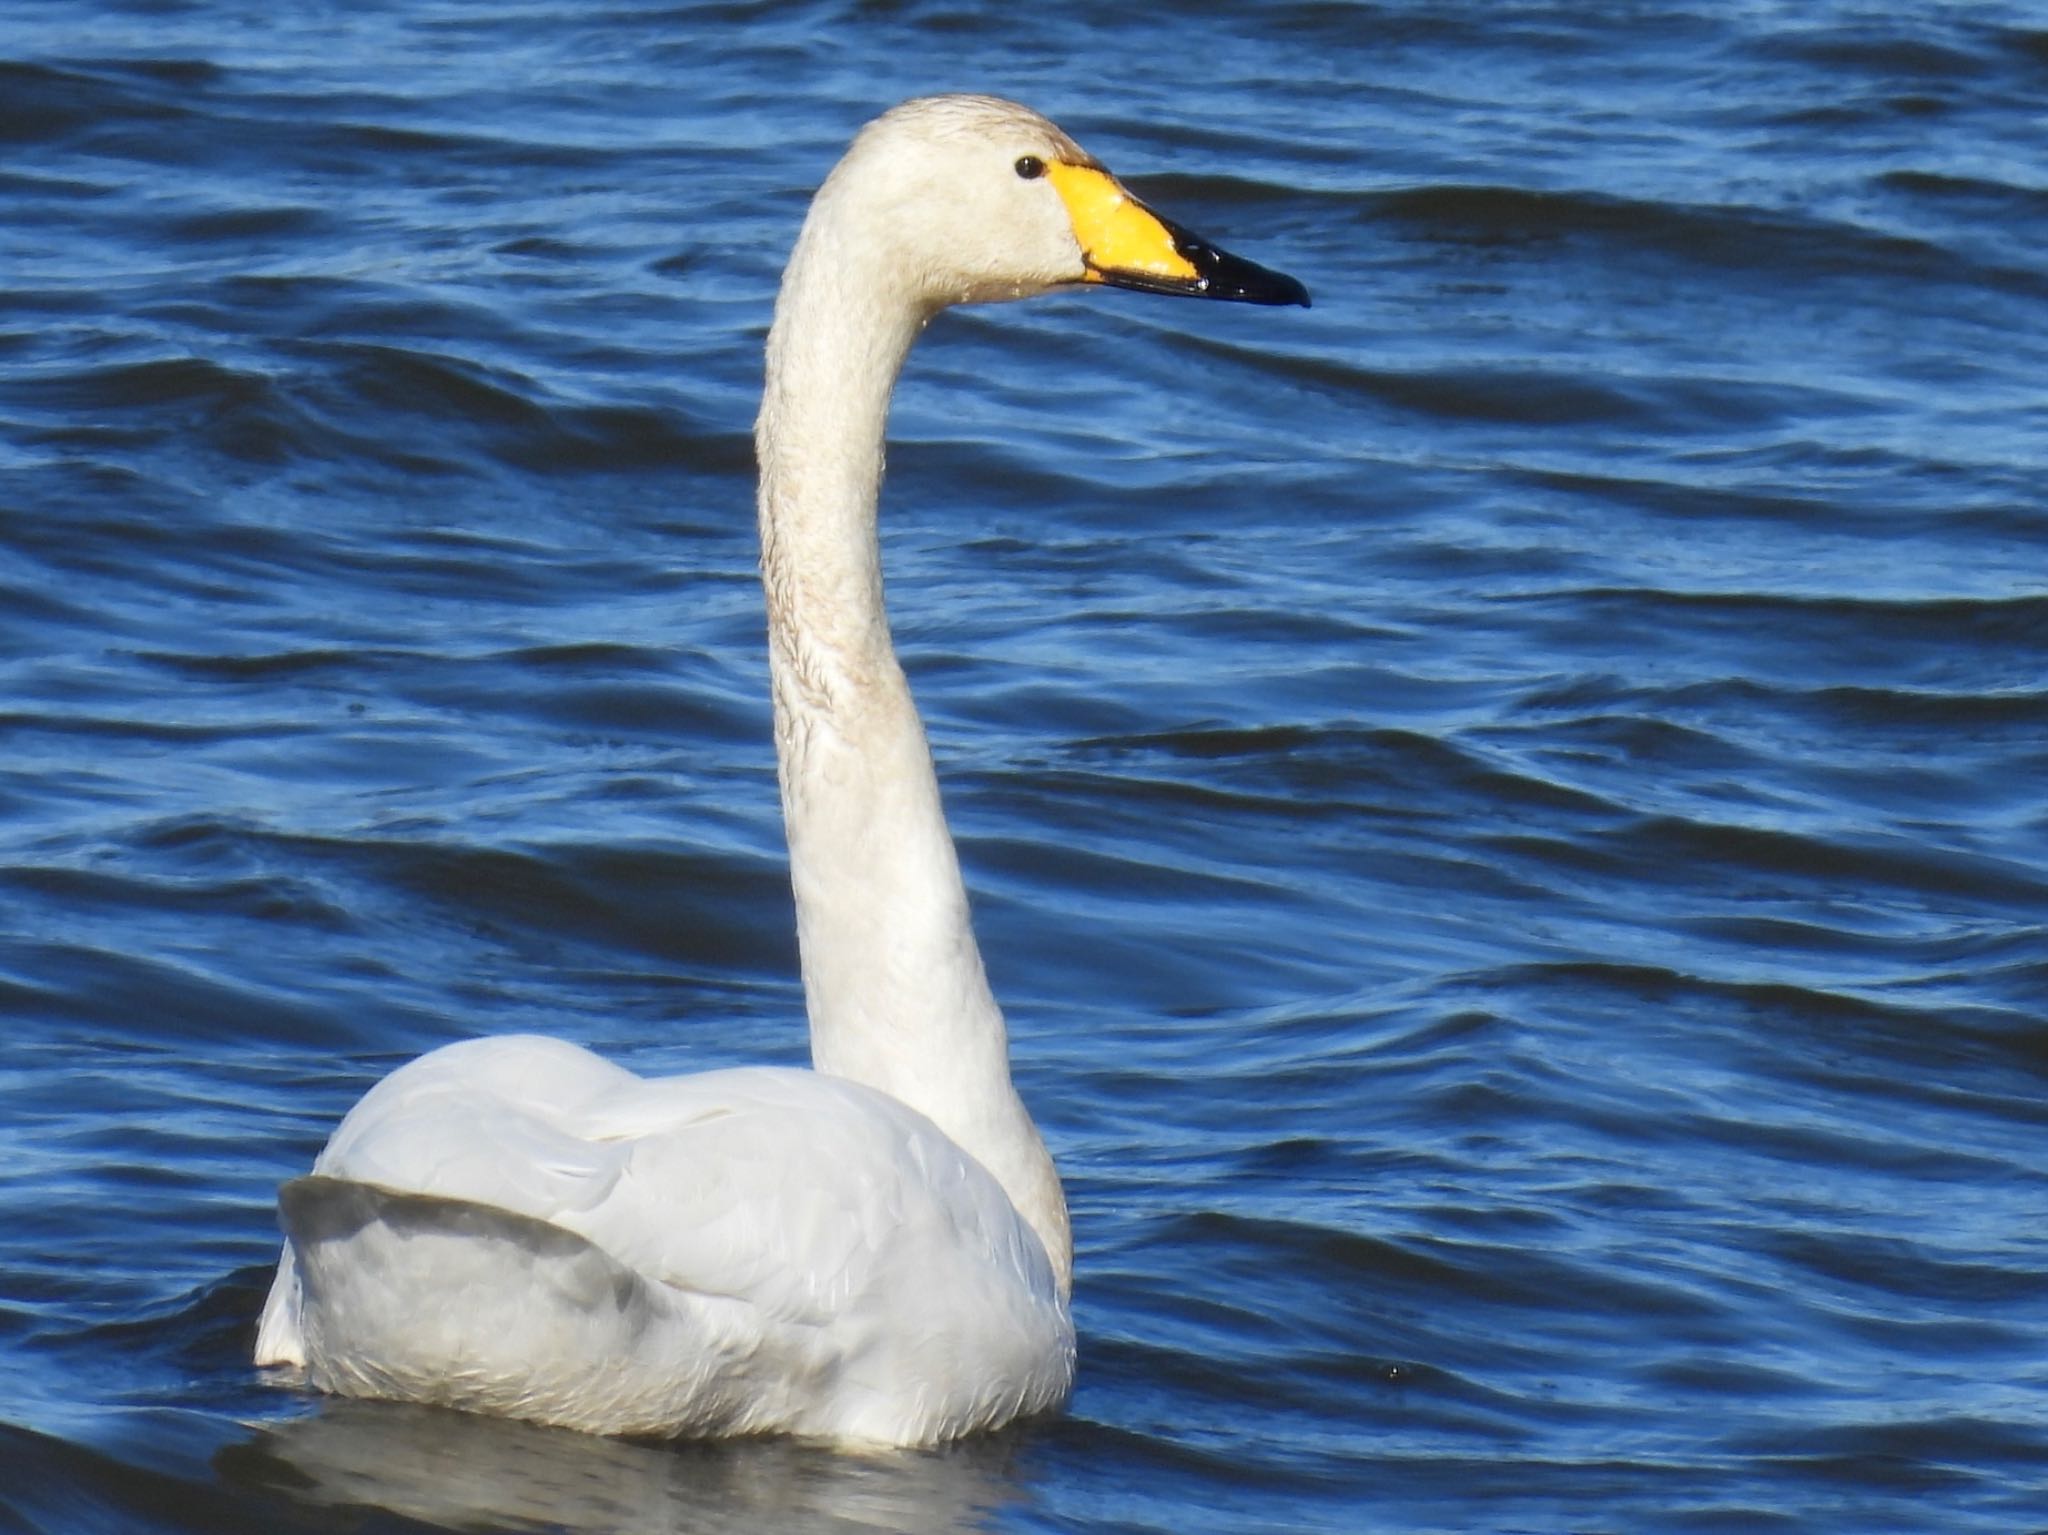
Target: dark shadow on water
{"x":458,"y":1471}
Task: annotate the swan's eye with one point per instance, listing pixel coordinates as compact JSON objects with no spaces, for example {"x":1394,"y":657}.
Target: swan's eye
{"x":1030,"y":167}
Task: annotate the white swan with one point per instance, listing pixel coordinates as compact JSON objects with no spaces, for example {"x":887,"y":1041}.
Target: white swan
{"x":875,"y":1251}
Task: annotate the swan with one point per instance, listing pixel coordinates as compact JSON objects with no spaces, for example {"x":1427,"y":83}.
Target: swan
{"x":872,"y":1252}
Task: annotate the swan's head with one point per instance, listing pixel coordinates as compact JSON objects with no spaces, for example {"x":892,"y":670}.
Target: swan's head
{"x":972,"y":198}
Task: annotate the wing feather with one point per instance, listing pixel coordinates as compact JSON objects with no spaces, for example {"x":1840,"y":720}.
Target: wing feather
{"x":760,"y":1248}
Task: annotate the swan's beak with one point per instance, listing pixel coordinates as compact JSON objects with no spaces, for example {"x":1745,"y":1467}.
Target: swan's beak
{"x":1126,"y":245}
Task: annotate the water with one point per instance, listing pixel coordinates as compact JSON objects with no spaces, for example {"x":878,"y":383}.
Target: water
{"x":1507,"y":809}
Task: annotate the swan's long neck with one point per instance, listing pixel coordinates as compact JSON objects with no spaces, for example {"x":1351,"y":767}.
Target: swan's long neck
{"x":897,"y":996}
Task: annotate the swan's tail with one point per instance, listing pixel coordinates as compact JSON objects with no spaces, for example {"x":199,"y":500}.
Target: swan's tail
{"x":422,"y":1298}
{"x":278,"y":1340}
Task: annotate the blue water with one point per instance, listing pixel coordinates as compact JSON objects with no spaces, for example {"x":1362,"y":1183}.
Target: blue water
{"x":1509,"y":810}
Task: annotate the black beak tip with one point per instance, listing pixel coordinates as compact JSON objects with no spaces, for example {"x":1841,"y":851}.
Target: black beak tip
{"x":1271,"y":288}
{"x":1225,"y":276}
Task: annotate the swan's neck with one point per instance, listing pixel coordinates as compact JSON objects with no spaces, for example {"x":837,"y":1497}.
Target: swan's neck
{"x":897,"y":996}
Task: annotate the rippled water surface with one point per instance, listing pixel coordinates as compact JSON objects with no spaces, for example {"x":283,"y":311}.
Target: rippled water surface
{"x":1507,"y":809}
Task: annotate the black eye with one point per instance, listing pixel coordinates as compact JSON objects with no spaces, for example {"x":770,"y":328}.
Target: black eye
{"x":1030,"y":167}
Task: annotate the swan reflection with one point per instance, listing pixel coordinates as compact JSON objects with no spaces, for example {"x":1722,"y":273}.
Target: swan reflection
{"x":462,"y":1471}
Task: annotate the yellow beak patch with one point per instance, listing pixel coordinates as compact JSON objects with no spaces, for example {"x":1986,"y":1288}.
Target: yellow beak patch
{"x":1115,"y":231}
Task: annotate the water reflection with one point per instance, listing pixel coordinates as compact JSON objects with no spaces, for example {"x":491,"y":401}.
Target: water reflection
{"x":461,"y":1471}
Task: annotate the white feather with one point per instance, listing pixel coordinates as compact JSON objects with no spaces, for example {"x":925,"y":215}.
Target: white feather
{"x":513,"y":1225}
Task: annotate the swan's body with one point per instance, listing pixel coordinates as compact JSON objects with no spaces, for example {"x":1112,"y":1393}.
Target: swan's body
{"x":875,"y":1251}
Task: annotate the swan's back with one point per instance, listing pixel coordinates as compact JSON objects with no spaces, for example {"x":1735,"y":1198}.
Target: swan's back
{"x":515,"y":1226}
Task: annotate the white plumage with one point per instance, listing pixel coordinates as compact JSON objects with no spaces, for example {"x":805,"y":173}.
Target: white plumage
{"x":723,"y":1253}
{"x":876,"y":1251}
